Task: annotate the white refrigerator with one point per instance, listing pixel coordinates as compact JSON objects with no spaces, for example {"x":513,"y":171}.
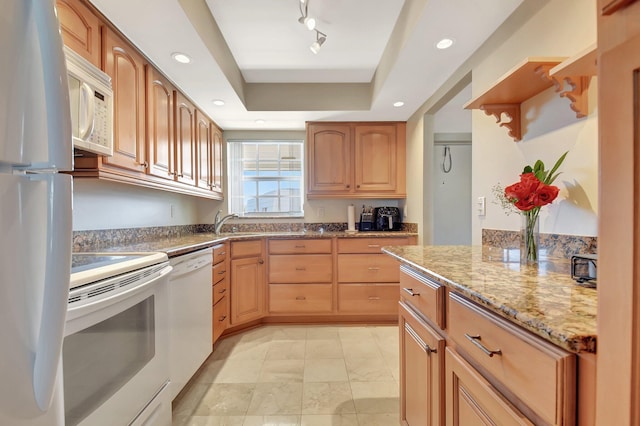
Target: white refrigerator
{"x":35,"y":212}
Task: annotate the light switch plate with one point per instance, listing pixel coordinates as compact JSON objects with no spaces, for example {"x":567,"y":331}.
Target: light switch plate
{"x":481,"y":209}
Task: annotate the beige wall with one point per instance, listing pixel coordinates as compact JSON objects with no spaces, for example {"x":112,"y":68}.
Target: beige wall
{"x":553,"y":28}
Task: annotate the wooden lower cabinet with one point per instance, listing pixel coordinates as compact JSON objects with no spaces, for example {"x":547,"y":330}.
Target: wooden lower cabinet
{"x":368,"y":298}
{"x":247,"y":281}
{"x":300,"y":298}
{"x":472,"y":400}
{"x":421,"y":371}
{"x":492,"y":371}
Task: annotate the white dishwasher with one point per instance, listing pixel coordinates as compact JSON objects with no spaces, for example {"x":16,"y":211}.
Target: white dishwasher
{"x":190,"y":305}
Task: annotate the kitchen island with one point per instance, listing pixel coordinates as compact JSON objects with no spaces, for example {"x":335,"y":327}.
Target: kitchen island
{"x":486,"y":339}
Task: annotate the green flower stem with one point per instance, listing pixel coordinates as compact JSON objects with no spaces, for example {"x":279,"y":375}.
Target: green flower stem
{"x":531,"y":217}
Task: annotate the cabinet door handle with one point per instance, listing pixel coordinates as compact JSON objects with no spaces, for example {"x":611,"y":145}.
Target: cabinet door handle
{"x":348,"y":186}
{"x":428,"y":349}
{"x":357,"y":186}
{"x":300,"y":268}
{"x":374,"y":268}
{"x":476,"y":341}
{"x":222,"y":291}
{"x":222,"y":318}
{"x":222,"y":272}
{"x":261,"y":261}
{"x":143,"y":164}
{"x":301,"y":298}
{"x":410,"y":291}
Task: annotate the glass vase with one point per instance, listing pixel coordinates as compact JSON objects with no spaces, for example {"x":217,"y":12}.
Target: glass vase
{"x":529,"y":238}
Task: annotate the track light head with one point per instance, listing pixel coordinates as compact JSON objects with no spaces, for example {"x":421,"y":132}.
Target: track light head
{"x":320,"y":39}
{"x":309,"y":22}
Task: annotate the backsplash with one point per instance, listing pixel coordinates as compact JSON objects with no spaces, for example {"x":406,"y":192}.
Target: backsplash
{"x":103,"y":238}
{"x":558,"y":245}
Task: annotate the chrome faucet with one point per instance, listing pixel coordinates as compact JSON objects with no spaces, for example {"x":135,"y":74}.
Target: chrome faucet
{"x":218,"y":222}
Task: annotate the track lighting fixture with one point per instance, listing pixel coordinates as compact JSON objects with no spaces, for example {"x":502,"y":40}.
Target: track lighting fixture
{"x":310,"y":23}
{"x":320,"y":39}
{"x":305,"y":19}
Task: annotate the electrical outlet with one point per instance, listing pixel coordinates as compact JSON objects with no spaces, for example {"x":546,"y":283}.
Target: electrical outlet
{"x":481,"y":209}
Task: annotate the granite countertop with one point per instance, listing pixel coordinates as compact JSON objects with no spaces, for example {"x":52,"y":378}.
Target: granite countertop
{"x":176,"y":246}
{"x":542,"y":299}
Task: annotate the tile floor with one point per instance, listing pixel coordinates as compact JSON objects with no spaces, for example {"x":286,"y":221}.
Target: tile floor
{"x":297,"y":375}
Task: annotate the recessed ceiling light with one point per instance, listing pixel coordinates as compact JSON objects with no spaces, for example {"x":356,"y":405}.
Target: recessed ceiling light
{"x":259,"y":121}
{"x":398,"y":104}
{"x":218,"y":102}
{"x":181,"y":57}
{"x":445,"y":43}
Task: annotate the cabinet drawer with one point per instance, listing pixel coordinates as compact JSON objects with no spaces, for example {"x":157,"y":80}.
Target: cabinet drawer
{"x":300,"y":246}
{"x":368,"y":298}
{"x":471,"y":400}
{"x":246,"y":248}
{"x":296,"y":298}
{"x":541,"y":375}
{"x":368,"y":245}
{"x":219,"y":253}
{"x":300,"y":268}
{"x":368,"y":268}
{"x":220,"y":317}
{"x":220,"y":289}
{"x":219,"y":272}
{"x":423,"y":295}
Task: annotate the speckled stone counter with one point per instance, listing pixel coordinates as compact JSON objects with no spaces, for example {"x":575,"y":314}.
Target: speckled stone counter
{"x":542,"y":299}
{"x":182,"y":244}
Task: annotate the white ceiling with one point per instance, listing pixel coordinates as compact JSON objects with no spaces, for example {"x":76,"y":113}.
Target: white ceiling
{"x":254,"y":54}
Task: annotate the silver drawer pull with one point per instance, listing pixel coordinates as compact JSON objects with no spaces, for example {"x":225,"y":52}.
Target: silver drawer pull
{"x":410,"y":291}
{"x":476,"y":341}
{"x":374,"y":298}
{"x":221,"y":272}
{"x":222,"y":253}
{"x":222,"y":318}
{"x":425,"y":347}
{"x":222,"y":291}
{"x":300,"y":246}
{"x":373,"y":268}
{"x":374,"y":245}
{"x":300,"y":268}
{"x":301,"y":298}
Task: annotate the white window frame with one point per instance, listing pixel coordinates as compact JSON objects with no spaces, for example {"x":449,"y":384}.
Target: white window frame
{"x":236,"y":180}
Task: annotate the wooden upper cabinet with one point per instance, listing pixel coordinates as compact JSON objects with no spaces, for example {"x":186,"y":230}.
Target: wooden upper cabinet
{"x":80,"y":29}
{"x":356,"y":160}
{"x":160,"y":137}
{"x":204,"y":151}
{"x":329,"y":154}
{"x":375,"y":158}
{"x":218,"y":159}
{"x":126,"y":67}
{"x":185,"y":140}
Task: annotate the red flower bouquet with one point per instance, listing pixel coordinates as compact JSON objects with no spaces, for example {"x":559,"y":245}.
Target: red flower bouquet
{"x":532,"y":192}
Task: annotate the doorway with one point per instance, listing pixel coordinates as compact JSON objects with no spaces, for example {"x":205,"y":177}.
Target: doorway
{"x":451,"y":192}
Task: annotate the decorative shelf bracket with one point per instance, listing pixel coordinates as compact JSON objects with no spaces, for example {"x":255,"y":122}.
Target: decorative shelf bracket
{"x":577,"y":93}
{"x":510,"y":110}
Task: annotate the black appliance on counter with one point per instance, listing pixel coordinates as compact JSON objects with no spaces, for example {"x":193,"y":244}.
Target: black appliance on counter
{"x":367,"y":219}
{"x":387,"y":219}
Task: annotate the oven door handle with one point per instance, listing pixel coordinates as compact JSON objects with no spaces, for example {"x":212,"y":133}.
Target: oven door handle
{"x":117,"y":296}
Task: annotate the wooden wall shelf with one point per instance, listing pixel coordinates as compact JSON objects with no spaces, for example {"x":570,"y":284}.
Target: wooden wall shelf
{"x":577,"y":72}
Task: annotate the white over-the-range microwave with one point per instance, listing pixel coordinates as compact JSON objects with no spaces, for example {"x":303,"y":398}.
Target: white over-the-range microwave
{"x":91,"y":100}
